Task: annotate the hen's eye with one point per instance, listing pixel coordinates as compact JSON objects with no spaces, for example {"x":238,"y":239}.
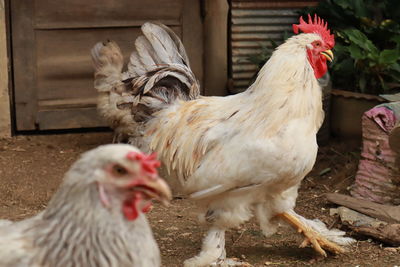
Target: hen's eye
{"x":118,"y":170}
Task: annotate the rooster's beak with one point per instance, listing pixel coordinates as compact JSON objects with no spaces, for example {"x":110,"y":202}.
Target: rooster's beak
{"x":328,"y":54}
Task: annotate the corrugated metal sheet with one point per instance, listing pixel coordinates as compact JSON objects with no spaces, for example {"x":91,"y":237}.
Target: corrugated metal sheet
{"x":253,"y":25}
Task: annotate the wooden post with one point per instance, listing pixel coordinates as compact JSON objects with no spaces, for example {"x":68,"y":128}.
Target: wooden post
{"x":216,"y":47}
{"x":5,"y":115}
{"x":192,"y":38}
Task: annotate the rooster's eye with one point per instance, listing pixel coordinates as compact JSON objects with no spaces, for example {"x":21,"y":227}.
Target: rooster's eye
{"x":317,"y":44}
{"x":118,"y":170}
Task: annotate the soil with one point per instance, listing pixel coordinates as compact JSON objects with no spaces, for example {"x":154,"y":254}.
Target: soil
{"x":31,"y":168}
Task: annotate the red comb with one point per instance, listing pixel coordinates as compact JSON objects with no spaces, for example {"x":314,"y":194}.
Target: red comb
{"x":149,"y":162}
{"x":318,"y":26}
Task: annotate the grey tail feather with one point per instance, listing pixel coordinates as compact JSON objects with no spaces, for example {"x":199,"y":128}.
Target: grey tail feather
{"x":158,"y":73}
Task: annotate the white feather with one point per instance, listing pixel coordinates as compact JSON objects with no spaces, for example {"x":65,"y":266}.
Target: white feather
{"x":145,"y":53}
{"x":162,"y":43}
{"x":135,"y":66}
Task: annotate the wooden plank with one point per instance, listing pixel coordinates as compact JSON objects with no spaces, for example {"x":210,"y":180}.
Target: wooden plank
{"x":5,"y":116}
{"x":64,"y":66}
{"x":383,"y":212}
{"x":104,"y":24}
{"x":68,"y":103}
{"x":389,"y":234}
{"x":272,"y":4}
{"x":69,"y":118}
{"x":23,"y":39}
{"x":103,"y":13}
{"x":192,"y":37}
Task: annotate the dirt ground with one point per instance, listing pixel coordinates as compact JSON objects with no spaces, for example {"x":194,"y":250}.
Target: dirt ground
{"x":31,"y":168}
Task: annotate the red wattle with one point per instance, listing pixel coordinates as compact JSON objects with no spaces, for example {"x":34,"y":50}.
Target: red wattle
{"x":147,"y":208}
{"x":129,"y":208}
{"x":318,"y":64}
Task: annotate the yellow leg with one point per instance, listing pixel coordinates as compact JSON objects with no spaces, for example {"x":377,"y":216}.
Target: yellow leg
{"x":318,"y":242}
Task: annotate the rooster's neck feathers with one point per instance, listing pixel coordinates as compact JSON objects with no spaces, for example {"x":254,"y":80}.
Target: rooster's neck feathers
{"x":286,"y":86}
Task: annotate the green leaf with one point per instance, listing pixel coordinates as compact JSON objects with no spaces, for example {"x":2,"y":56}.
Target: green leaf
{"x":395,"y":67}
{"x":388,"y":56}
{"x":394,"y":75}
{"x":345,"y":4}
{"x":355,"y":52}
{"x":360,"y":10}
{"x":394,"y":71}
{"x":360,"y":39}
{"x":383,"y":83}
{"x":344,"y":67}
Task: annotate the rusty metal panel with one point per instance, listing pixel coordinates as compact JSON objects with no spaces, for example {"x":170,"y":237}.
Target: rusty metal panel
{"x":253,"y":25}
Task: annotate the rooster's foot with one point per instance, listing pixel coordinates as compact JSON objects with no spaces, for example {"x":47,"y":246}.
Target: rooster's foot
{"x":230,"y":262}
{"x":318,"y":242}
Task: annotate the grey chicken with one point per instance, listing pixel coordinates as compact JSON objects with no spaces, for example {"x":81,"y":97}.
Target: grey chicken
{"x":95,"y":218}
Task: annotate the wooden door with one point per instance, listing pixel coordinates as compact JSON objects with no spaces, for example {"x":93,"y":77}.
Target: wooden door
{"x":51,"y":42}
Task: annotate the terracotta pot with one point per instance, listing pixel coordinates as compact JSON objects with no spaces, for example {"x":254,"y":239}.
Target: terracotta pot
{"x":347,"y":109}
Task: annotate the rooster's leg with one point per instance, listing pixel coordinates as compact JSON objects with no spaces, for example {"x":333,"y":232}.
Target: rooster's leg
{"x":213,"y":247}
{"x":213,"y":252}
{"x":318,"y":242}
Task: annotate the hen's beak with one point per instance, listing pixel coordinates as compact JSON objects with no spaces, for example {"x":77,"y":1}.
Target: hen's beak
{"x":156,"y":188}
{"x":328,"y":54}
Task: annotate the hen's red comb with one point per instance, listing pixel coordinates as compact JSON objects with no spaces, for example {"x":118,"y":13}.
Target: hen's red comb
{"x":149,"y":163}
{"x":318,"y":26}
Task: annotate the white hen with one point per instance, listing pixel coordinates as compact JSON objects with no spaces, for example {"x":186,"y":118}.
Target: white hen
{"x":95,"y":218}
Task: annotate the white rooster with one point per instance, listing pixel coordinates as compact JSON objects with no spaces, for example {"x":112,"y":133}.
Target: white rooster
{"x":95,"y":218}
{"x":237,"y":155}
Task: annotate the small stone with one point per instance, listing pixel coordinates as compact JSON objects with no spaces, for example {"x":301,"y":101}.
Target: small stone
{"x":393,"y":250}
{"x":312,"y":261}
{"x":18,"y":149}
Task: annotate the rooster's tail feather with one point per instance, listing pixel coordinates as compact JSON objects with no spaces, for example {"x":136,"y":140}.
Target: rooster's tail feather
{"x":108,"y":63}
{"x":159,"y":68}
{"x":158,"y":73}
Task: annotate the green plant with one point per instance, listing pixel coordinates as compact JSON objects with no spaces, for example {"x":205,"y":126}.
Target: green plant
{"x":367,"y":46}
{"x":266,"y":51}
